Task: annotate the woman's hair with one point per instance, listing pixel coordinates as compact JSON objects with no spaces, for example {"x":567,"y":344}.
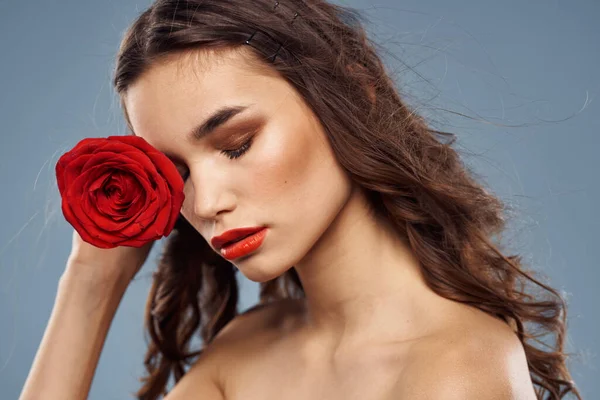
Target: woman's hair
{"x":410,"y":176}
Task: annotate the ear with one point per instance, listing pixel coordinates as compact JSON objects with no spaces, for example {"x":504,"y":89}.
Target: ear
{"x":365,"y":78}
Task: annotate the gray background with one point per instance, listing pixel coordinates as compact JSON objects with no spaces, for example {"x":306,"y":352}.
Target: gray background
{"x":530,"y":65}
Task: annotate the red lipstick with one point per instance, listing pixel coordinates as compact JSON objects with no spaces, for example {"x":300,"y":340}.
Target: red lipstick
{"x":236,"y":243}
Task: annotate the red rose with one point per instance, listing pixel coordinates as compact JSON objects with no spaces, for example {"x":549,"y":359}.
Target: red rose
{"x":119,"y":191}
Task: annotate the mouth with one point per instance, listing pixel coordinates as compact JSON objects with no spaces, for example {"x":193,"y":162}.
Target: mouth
{"x":235,"y":241}
{"x":243,"y":246}
{"x":233,"y":236}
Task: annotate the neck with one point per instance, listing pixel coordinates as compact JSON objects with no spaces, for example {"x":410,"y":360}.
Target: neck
{"x":363,"y":283}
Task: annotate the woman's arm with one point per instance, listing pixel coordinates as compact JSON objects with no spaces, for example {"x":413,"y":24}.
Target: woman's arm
{"x":66,"y":360}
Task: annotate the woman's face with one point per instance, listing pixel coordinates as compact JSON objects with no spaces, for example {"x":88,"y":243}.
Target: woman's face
{"x":269,"y":165}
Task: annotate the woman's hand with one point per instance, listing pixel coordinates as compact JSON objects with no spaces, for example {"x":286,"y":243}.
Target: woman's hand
{"x":87,"y":299}
{"x":119,"y":263}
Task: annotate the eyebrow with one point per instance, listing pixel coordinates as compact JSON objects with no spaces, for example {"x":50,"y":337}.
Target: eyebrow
{"x":217,"y":119}
{"x":214,"y":121}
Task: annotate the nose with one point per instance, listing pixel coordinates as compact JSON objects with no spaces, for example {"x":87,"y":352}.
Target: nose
{"x":210,"y":194}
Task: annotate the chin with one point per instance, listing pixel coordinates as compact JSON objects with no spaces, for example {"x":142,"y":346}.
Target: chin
{"x":258,"y":276}
{"x":258,"y":270}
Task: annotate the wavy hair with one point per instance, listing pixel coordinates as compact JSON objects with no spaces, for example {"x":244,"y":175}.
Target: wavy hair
{"x":411,"y":174}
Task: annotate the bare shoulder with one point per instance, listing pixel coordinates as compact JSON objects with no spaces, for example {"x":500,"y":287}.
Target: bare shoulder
{"x":242,"y":334}
{"x":480,"y":358}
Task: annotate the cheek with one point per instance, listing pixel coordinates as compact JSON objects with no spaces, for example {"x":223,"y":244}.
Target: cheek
{"x":187,"y":206}
{"x":282,"y":170}
{"x":298,"y":178}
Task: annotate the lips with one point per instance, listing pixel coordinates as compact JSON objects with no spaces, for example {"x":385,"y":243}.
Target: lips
{"x":235,"y":241}
{"x":233,"y":235}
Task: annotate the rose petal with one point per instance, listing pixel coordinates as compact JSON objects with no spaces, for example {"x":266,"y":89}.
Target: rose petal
{"x":69,"y":171}
{"x":120,"y":222}
{"x":87,"y":213}
{"x":81,"y":228}
{"x":120,"y":183}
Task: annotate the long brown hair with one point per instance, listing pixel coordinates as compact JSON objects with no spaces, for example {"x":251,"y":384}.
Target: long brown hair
{"x":411,"y":174}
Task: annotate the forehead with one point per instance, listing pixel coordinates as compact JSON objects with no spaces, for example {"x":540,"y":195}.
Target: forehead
{"x":183,"y":89}
{"x":177,"y":77}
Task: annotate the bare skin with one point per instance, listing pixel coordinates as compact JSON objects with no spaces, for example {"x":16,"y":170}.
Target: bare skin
{"x":370,"y":328}
{"x":270,"y":354}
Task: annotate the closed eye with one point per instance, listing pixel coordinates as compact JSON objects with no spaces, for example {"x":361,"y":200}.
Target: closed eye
{"x":236,"y":153}
{"x":231,"y":154}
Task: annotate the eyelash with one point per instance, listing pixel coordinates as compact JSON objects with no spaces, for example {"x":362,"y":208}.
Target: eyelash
{"x":232,"y":154}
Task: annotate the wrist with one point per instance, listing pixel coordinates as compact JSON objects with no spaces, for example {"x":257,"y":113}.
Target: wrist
{"x":94,"y":278}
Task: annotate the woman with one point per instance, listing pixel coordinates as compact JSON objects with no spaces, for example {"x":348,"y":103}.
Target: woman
{"x":371,"y":240}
